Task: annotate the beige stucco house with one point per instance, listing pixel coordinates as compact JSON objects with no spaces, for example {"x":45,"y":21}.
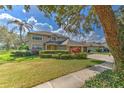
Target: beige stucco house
{"x":51,"y":41}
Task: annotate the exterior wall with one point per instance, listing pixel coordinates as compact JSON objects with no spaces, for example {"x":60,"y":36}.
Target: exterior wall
{"x":31,"y":42}
{"x":61,"y":48}
{"x":57,"y":38}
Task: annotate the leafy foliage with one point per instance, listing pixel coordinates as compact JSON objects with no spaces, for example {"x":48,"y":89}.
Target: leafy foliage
{"x":72,"y":18}
{"x":63,"y":55}
{"x":23,"y":46}
{"x":7,"y":38}
{"x":22,"y":26}
{"x":54,"y":51}
{"x":120,"y":20}
{"x":107,"y":79}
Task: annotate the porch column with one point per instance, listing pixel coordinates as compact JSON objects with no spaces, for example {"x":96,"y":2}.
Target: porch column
{"x":45,"y":46}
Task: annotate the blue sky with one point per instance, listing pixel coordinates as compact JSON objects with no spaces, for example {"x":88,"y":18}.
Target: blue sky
{"x":38,"y":17}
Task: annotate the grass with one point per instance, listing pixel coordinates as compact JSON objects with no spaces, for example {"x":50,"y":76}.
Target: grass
{"x":31,"y":71}
{"x":5,"y":57}
{"x":105,"y":53}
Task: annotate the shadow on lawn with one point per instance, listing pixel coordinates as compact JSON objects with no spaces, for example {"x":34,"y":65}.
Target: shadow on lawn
{"x":102,"y":67}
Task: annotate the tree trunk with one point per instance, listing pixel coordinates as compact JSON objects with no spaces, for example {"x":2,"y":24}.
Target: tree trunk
{"x":111,"y":30}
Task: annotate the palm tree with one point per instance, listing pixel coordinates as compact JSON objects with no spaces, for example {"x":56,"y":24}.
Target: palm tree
{"x":22,"y":26}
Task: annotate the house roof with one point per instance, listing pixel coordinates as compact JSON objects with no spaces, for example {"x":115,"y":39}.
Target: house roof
{"x":65,"y":42}
{"x":71,"y":43}
{"x":55,"y":42}
{"x":88,"y":44}
{"x":47,"y":33}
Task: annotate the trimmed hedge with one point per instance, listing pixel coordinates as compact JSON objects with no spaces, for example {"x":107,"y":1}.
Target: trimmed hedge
{"x":106,"y":79}
{"x":57,"y":56}
{"x":54,"y":52}
{"x":46,"y":56}
{"x":23,"y":53}
{"x":65,"y":56}
{"x":80,"y":56}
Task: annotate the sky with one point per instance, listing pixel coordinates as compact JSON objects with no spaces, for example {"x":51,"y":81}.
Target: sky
{"x":40,"y":22}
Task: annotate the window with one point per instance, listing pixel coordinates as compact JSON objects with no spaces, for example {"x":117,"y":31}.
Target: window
{"x":53,"y":38}
{"x":36,"y":37}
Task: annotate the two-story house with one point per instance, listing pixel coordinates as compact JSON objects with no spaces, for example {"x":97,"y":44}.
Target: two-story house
{"x":51,"y":41}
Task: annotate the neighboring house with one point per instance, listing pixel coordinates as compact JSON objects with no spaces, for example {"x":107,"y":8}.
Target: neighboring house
{"x":51,"y":41}
{"x":91,"y":46}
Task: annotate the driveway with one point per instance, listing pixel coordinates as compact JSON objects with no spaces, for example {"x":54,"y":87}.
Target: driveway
{"x":102,"y":57}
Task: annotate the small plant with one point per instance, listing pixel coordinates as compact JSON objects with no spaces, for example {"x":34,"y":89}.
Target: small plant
{"x":106,"y":79}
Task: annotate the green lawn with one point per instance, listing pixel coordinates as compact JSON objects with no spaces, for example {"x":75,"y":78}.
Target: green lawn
{"x":31,"y":71}
{"x":6,"y":58}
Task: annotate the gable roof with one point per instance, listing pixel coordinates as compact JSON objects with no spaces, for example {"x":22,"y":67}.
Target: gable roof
{"x":65,"y":42}
{"x":71,"y":43}
{"x":47,"y":33}
{"x":55,"y":42}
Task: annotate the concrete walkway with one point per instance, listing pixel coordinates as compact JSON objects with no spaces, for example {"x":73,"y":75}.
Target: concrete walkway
{"x":77,"y":79}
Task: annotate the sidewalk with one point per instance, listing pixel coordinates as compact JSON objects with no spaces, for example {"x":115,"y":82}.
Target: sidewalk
{"x":77,"y":79}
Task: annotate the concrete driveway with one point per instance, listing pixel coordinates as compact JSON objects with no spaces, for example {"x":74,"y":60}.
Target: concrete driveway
{"x":102,"y":57}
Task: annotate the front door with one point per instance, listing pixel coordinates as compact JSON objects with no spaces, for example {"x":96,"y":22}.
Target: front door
{"x":51,"y":47}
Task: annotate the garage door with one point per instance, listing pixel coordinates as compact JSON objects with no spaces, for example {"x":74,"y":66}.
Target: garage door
{"x":75,"y":49}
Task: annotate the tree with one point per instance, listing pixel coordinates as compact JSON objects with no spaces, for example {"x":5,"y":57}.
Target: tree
{"x":8,"y":39}
{"x":109,"y":23}
{"x":22,"y":26}
{"x":71,"y":18}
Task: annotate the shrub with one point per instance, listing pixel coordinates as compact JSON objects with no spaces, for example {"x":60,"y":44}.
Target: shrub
{"x":62,"y":54}
{"x":65,"y":56}
{"x":54,"y":51}
{"x":57,"y":56}
{"x":21,"y":53}
{"x":106,"y":79}
{"x":80,"y":56}
{"x":23,"y":47}
{"x":46,"y":56}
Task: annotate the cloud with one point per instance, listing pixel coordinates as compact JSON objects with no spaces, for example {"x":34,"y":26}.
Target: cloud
{"x":32,"y":20}
{"x":103,"y":40}
{"x":43,"y":27}
{"x":23,"y":10}
{"x":39,"y":26}
{"x":72,"y":36}
{"x":90,"y":37}
{"x":5,"y":16}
